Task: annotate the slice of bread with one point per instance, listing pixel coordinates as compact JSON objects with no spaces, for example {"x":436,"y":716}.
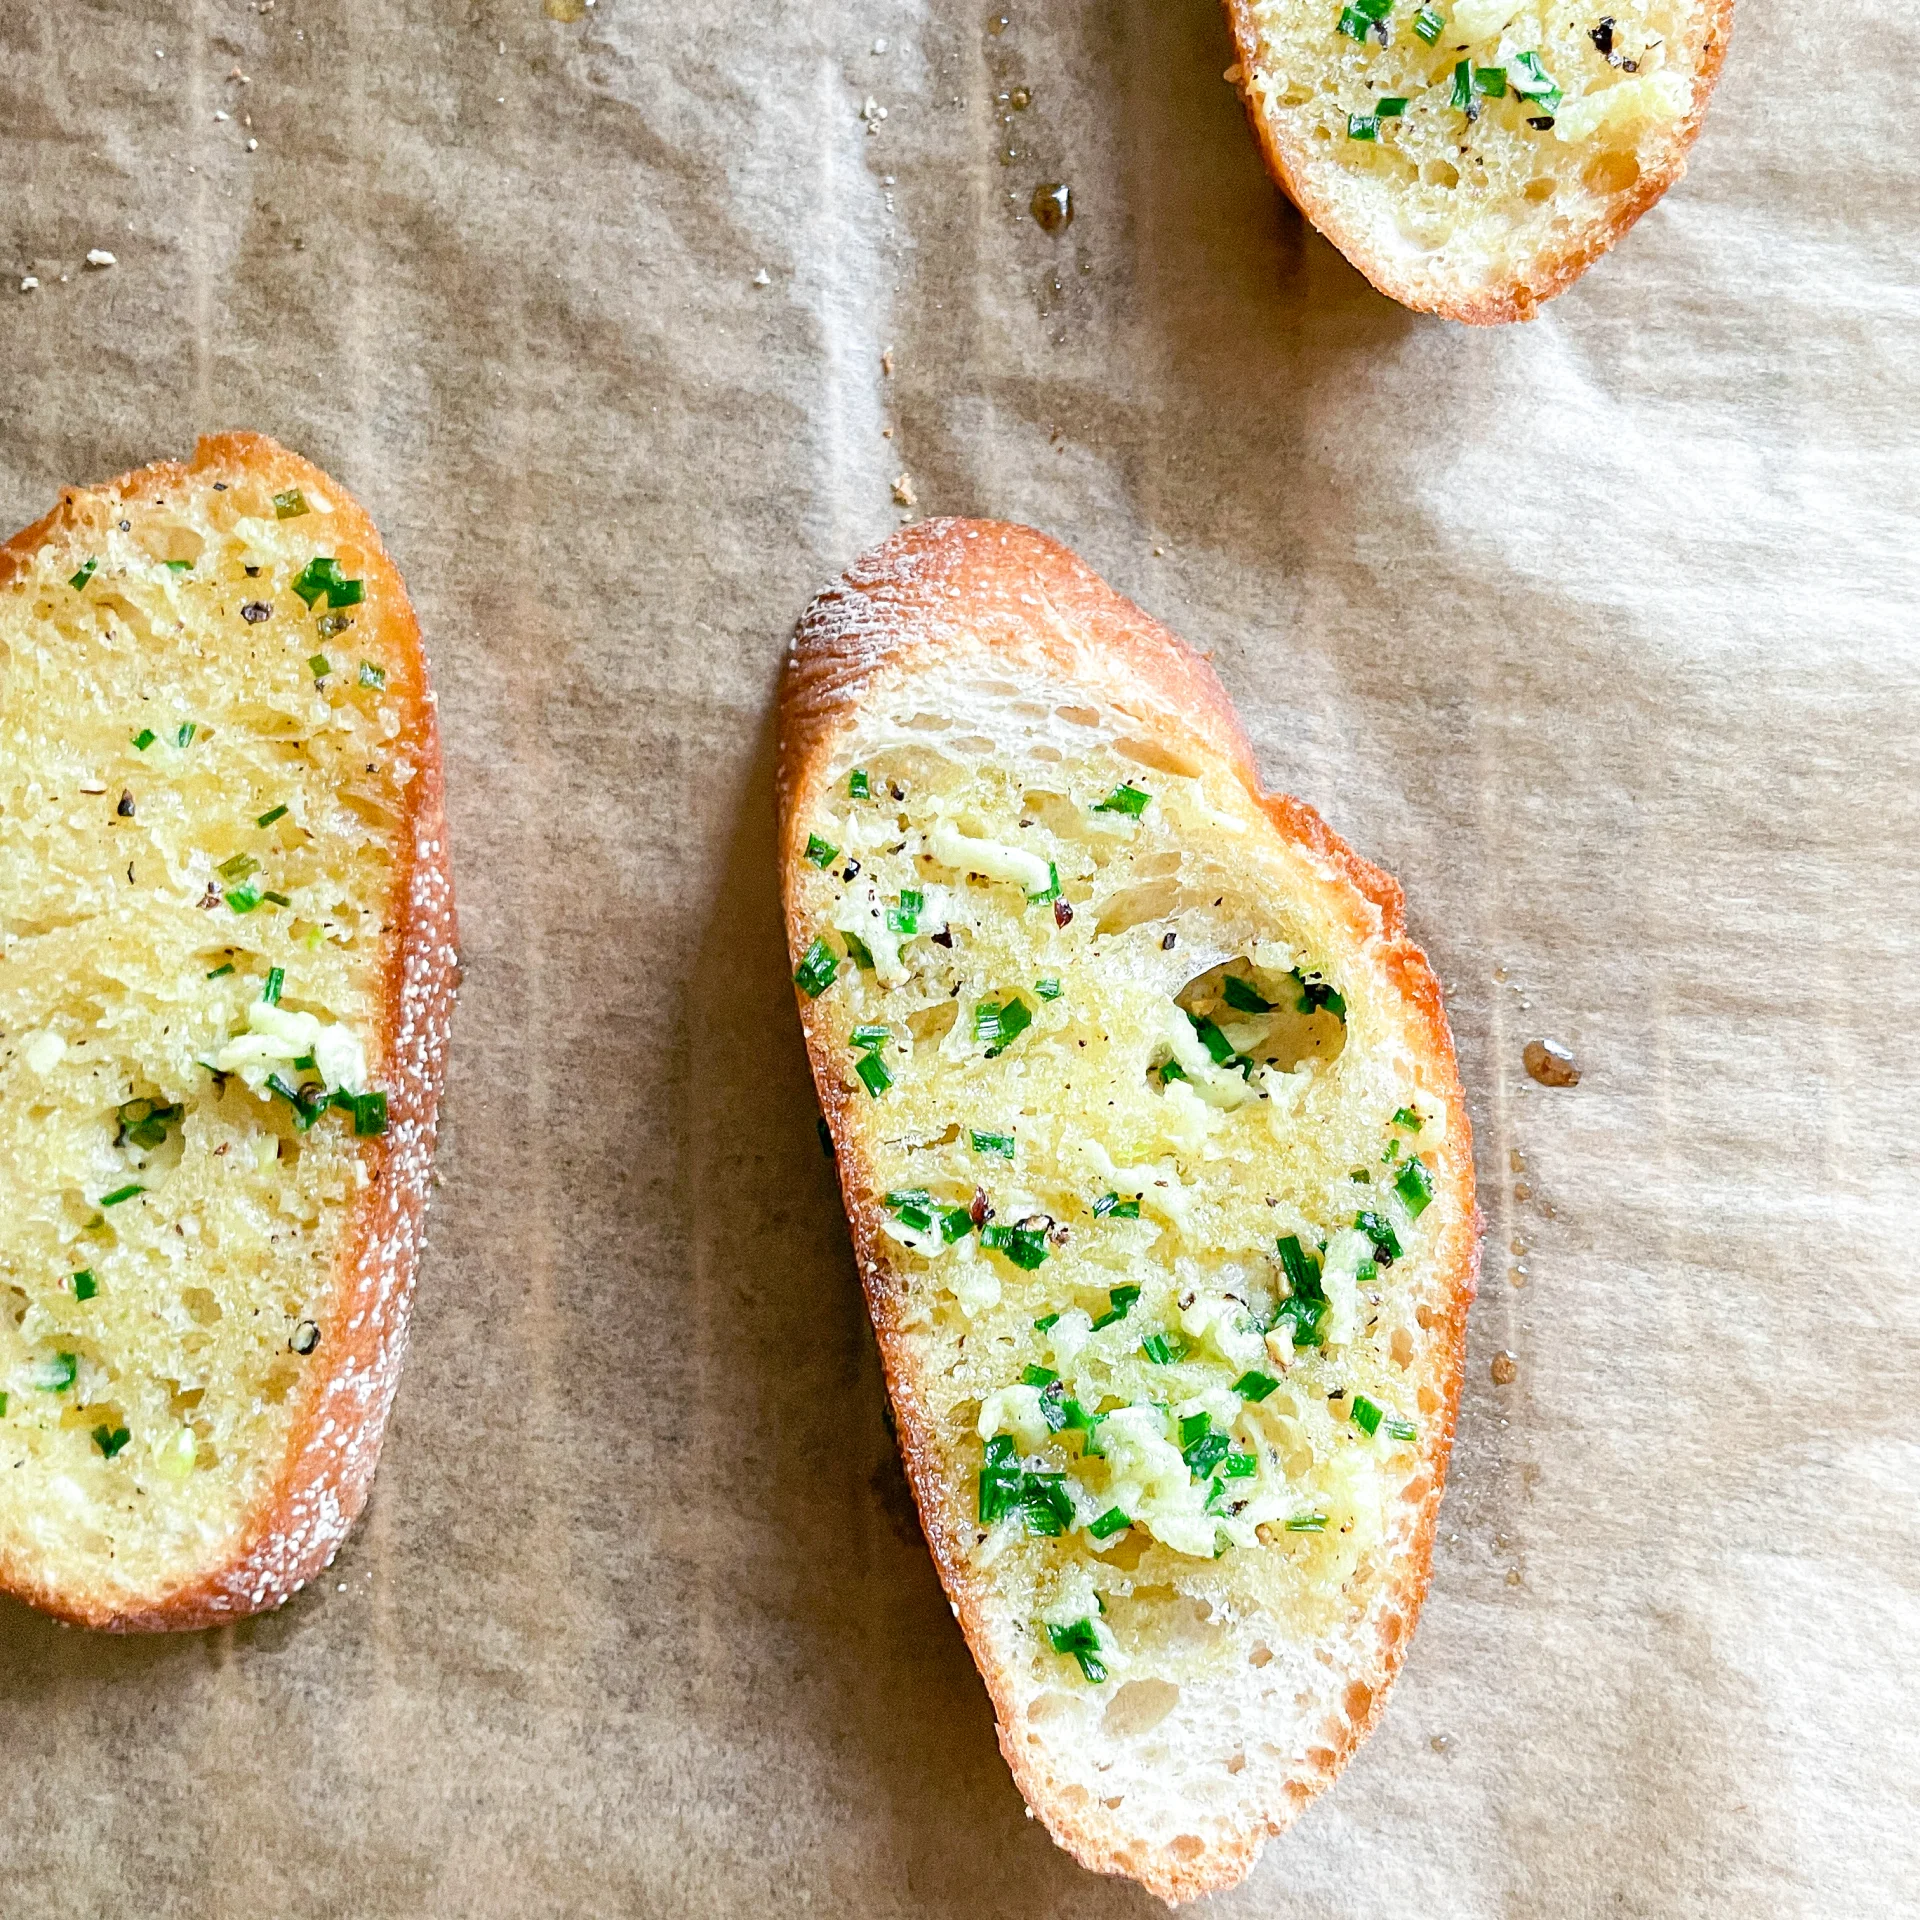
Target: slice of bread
{"x":226,"y":972}
{"x":1160,"y":1182}
{"x":1475,"y":157}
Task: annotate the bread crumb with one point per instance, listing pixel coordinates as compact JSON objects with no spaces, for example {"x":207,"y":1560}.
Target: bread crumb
{"x":100,"y":257}
{"x":903,"y":493}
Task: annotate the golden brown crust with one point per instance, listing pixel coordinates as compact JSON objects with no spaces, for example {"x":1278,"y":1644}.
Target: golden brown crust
{"x":959,"y":587}
{"x":335,"y":1443}
{"x":1552,"y":272}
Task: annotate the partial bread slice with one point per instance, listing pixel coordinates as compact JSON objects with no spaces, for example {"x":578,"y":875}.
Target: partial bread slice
{"x":222,"y":858}
{"x":1529,"y":138}
{"x":1002,"y":786}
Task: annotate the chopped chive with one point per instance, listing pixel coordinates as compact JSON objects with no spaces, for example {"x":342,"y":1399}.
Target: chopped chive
{"x":1164,"y":1349}
{"x":866,"y":1037}
{"x":79,"y":581}
{"x":1240,"y":996}
{"x":1171,"y":1070}
{"x":1406,"y":1117}
{"x":1083,"y":1644}
{"x":1427,"y":24}
{"x":1048,"y":988}
{"x":999,"y":1144}
{"x":275,"y":899}
{"x":1039,"y":1376}
{"x":289,"y":505}
{"x":1531,"y":81}
{"x":999,"y":1480}
{"x":179,"y":566}
{"x":918,"y":1218}
{"x":1125,"y":798}
{"x":320,"y":579}
{"x":270,"y":993}
{"x":372,"y":676}
{"x":815,"y":973}
{"x":1046,"y":1322}
{"x":221,"y":972}
{"x":1315,"y":994}
{"x":1255,"y":1386}
{"x":1119,"y":1304}
{"x":143,"y":740}
{"x":110,"y":1439}
{"x":1363,"y":126}
{"x":1379,"y":1229}
{"x":1354,"y":24}
{"x":1026,"y":1247}
{"x":1390,"y":108}
{"x":1202,"y":1445}
{"x":955,"y":1224}
{"x":238,"y":867}
{"x":317,"y":665}
{"x":996,"y":1025}
{"x":1490,"y":82}
{"x":85,"y":1286}
{"x":1046,"y":1503}
{"x":1218,"y":1047}
{"x":820,"y":852}
{"x":119,"y":1194}
{"x":271,"y":815}
{"x":3,"y":1406}
{"x":858,"y":786}
{"x":1111,"y":1522}
{"x":369,"y":1113}
{"x":184,"y":736}
{"x":1364,"y":1414}
{"x":1051,"y":891}
{"x":1414,"y":1185}
{"x":1240,"y":1466}
{"x":1111,"y":1207}
{"x":243,"y":899}
{"x":857,"y":951}
{"x":1402,"y":1430}
{"x":909,"y":1197}
{"x":56,"y":1375}
{"x":875,"y":1078}
{"x":1307,"y":1523}
{"x":1462,"y":98}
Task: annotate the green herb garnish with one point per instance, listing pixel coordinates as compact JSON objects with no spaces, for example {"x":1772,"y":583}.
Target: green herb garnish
{"x":1125,"y":798}
{"x":119,"y":1194}
{"x":1000,"y":1144}
{"x":857,"y":951}
{"x":864,"y":1037}
{"x":317,"y":665}
{"x":1048,"y":988}
{"x":85,"y":1286}
{"x":1390,"y":108}
{"x":1406,"y":1117}
{"x":1051,"y":891}
{"x":1255,"y":1386}
{"x":1462,"y":96}
{"x":270,"y":993}
{"x":997,"y":1024}
{"x":275,"y":899}
{"x":1364,"y":1414}
{"x":1428,"y":24}
{"x":1306,"y":1307}
{"x":56,"y":1375}
{"x":1119,"y":1304}
{"x":858,"y":786}
{"x":1490,"y":82}
{"x":320,"y":579}
{"x":1414,"y":1185}
{"x":1111,"y":1522}
{"x":178,"y":566}
{"x":1402,"y":1430}
{"x":1202,"y":1445}
{"x":183,"y":736}
{"x":238,"y":867}
{"x":143,"y":740}
{"x":289,"y":505}
{"x":815,"y":973}
{"x":1219,"y":1048}
{"x":1046,"y":1323}
{"x":1026,"y":1247}
{"x":79,"y":581}
{"x":144,"y":1123}
{"x":110,"y":1439}
{"x":1307,"y":1523}
{"x":221,"y":972}
{"x":874,"y":1077}
{"x":1240,"y":996}
{"x":372,"y":676}
{"x":1315,"y":994}
{"x":820,"y":852}
{"x":1039,"y":1377}
{"x":1380,"y":1231}
{"x":1363,"y":126}
{"x":1531,"y":81}
{"x":1083,"y":1644}
{"x":955,"y":1224}
{"x":1111,"y":1207}
{"x":1164,"y":1349}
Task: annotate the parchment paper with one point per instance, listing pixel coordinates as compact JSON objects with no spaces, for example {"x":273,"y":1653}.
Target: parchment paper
{"x":1599,"y":633}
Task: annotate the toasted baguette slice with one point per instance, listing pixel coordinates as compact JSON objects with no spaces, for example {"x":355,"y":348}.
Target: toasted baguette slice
{"x":1526,"y":141}
{"x":1160,"y":1184}
{"x":226,"y":971}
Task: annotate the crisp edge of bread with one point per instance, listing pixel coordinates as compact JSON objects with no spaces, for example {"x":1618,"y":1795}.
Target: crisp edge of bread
{"x":1553,"y":272}
{"x":1002,"y":592}
{"x":335,"y":1442}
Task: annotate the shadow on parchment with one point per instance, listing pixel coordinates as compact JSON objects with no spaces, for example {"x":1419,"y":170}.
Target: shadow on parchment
{"x":880,"y":1692}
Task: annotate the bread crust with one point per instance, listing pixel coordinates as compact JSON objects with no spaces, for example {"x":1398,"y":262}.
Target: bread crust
{"x":334,"y":1444}
{"x":1553,"y":271}
{"x":1008,"y":594}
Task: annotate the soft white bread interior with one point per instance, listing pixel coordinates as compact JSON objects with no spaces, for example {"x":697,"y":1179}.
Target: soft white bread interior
{"x":1160,"y":1182}
{"x":1475,"y":157}
{"x":226,"y":969}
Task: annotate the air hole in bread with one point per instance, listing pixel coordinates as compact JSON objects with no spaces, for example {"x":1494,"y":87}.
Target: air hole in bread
{"x":1137,"y":1707}
{"x":1288,"y":1035}
{"x":1079,"y":716}
{"x":1440,"y":173}
{"x":1157,"y":755}
{"x":1134,"y":906}
{"x":1610,"y":172}
{"x":1539,"y":189}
